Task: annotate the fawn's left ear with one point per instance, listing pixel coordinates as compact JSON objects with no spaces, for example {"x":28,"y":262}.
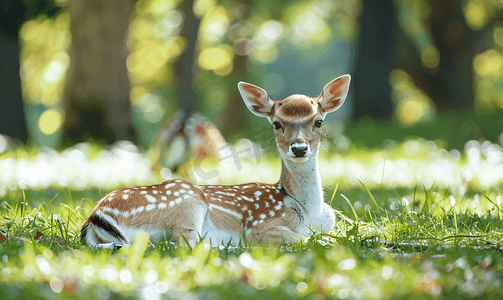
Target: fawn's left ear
{"x":334,"y":93}
{"x":256,"y":99}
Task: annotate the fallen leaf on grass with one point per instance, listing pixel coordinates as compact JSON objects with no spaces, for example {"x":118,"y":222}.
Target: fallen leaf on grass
{"x":2,"y":238}
{"x":39,"y":236}
{"x":60,"y":240}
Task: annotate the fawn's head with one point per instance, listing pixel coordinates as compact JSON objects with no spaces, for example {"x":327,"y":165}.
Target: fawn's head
{"x":296,"y":119}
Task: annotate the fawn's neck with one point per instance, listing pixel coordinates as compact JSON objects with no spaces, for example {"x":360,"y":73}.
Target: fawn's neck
{"x":302,"y":181}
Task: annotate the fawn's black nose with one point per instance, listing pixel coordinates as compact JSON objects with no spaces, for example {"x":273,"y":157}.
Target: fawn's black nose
{"x":299,"y":150}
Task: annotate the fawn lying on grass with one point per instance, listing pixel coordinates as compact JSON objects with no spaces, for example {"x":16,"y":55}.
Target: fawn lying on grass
{"x":284,"y":211}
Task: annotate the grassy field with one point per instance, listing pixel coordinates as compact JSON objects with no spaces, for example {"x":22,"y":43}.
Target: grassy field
{"x":414,"y":221}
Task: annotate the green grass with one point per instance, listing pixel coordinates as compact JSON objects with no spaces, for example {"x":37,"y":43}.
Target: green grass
{"x":390,"y":241}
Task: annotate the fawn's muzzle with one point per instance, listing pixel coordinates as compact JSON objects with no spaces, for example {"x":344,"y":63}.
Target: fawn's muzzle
{"x":299,"y":149}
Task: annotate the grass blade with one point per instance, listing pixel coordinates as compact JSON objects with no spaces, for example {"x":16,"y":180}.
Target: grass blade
{"x":494,"y":204}
{"x":382,"y":180}
{"x":352,"y":208}
{"x":333,"y":194}
{"x":370,"y":194}
{"x":428,"y":197}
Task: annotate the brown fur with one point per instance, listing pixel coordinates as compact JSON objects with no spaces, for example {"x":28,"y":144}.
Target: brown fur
{"x":277,"y":230}
{"x":296,"y":107}
{"x":248,"y":208}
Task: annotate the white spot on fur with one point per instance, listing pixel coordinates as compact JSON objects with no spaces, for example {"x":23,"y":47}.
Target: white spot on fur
{"x":262,"y":216}
{"x":134,"y":211}
{"x":168,"y":192}
{"x":150,"y":207}
{"x":248,"y":199}
{"x":162,"y":206}
{"x":143,"y":192}
{"x":154,"y":191}
{"x":185,"y":186}
{"x":229,"y":211}
{"x":125,"y":196}
{"x":150,"y":198}
{"x":256,"y":206}
{"x":143,"y":187}
{"x":164,"y":198}
{"x":182,"y":191}
{"x":171,"y":203}
{"x":176,"y":194}
{"x":178,"y":200}
{"x":169,"y":185}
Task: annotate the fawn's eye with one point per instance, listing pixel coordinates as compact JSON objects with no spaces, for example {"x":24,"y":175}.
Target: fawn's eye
{"x":318,"y":123}
{"x":276,"y":125}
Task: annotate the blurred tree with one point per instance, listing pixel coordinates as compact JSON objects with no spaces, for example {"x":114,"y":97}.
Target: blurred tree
{"x":456,"y":44}
{"x":13,"y":14}
{"x":243,"y":44}
{"x":96,"y":100}
{"x":439,"y":56}
{"x":184,"y":67}
{"x":372,"y":94}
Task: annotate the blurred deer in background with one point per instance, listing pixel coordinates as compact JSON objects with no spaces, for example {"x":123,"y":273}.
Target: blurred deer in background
{"x":183,"y":137}
{"x":285,"y":211}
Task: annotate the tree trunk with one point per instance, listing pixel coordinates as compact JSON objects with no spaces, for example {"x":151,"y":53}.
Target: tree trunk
{"x":96,"y":100}
{"x":456,"y":43}
{"x":184,"y":67}
{"x":12,"y":117}
{"x":372,"y":93}
{"x":233,"y":113}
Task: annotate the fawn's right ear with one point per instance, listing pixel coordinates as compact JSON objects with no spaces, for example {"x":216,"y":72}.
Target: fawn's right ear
{"x":256,"y":99}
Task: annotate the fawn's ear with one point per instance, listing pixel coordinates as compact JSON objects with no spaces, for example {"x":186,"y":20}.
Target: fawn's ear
{"x":256,"y":99}
{"x":334,"y":93}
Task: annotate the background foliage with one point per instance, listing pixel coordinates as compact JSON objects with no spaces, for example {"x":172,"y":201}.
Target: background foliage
{"x":441,"y":61}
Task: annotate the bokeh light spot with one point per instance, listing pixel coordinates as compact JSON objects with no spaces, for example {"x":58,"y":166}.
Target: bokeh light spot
{"x":488,"y":63}
{"x":201,"y":7}
{"x":50,"y":121}
{"x":498,"y":35}
{"x":214,"y":58}
{"x":475,"y":14}
{"x":430,"y":57}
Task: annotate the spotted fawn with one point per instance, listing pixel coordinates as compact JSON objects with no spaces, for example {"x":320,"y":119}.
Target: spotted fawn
{"x":286,"y":211}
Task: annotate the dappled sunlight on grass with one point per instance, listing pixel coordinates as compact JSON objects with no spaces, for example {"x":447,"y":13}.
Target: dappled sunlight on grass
{"x":405,"y":165}
{"x":418,"y":221}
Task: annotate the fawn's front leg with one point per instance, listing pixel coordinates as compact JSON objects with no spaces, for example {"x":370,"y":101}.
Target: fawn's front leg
{"x":278,"y":230}
{"x":275,"y":234}
{"x":327,"y":217}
